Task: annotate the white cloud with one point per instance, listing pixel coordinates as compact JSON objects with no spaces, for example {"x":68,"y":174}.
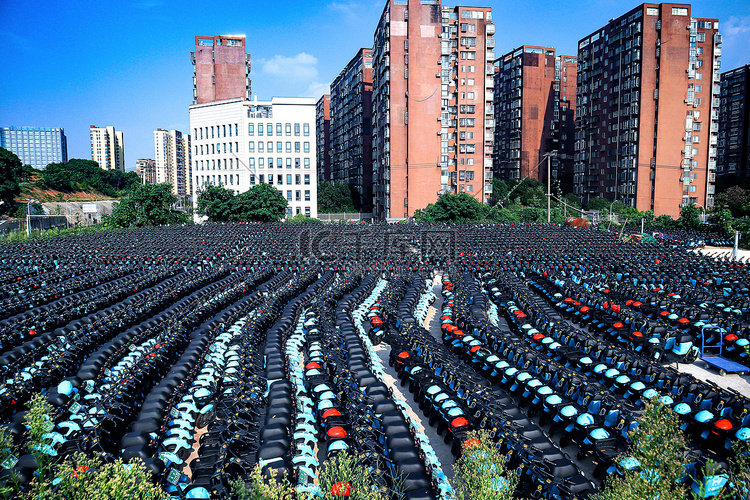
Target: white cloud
{"x":300,"y":67}
{"x":344,"y":7}
{"x":736,"y":26}
{"x":317,"y":89}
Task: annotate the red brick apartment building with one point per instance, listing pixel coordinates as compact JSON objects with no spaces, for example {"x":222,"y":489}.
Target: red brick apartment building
{"x":222,"y":69}
{"x":648,"y":109}
{"x":534,"y":114}
{"x":432,"y":105}
{"x":351,"y":128}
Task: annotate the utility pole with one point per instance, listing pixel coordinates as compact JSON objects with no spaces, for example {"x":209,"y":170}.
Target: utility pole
{"x":28,"y":218}
{"x":549,"y":189}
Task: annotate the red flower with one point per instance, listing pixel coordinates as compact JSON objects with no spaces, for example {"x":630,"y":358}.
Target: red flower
{"x":341,"y":489}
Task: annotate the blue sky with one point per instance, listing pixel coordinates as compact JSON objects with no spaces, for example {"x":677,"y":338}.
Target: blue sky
{"x":77,"y":63}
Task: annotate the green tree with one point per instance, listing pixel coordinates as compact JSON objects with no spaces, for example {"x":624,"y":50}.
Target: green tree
{"x":262,"y":488}
{"x":735,"y":199}
{"x":598,"y":204}
{"x":690,"y":217}
{"x":659,"y":446}
{"x":344,"y":476}
{"x":723,"y":219}
{"x":85,"y":175}
{"x":261,"y":203}
{"x":215,"y":202}
{"x":500,"y":190}
{"x":335,"y":198}
{"x":460,"y":207}
{"x":11,"y":171}
{"x":481,"y":473}
{"x":664,"y":221}
{"x":304,"y":219}
{"x":147,"y":205}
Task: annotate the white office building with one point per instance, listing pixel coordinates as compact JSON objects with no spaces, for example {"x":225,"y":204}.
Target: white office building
{"x":238,"y":144}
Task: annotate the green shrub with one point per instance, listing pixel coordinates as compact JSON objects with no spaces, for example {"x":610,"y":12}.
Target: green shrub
{"x":481,"y":473}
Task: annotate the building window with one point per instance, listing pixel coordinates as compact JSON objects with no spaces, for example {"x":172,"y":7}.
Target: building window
{"x":307,"y":211}
{"x":279,"y":163}
{"x":279,"y":179}
{"x":297,"y":195}
{"x":296,"y":163}
{"x":307,"y":162}
{"x":288,"y":129}
{"x":297,"y":179}
{"x":279,"y":131}
{"x":252,"y":180}
{"x":279,"y":147}
{"x":289,"y":196}
{"x":251,"y":147}
{"x":306,"y":129}
{"x":269,"y":129}
{"x":307,"y":147}
{"x":307,"y":179}
{"x":260,"y":129}
{"x":296,"y":147}
{"x":260,"y":146}
{"x":296,"y":129}
{"x":288,"y":147}
{"x":288,"y":163}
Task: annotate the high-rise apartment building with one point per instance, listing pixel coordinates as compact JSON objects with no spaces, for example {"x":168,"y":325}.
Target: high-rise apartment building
{"x":734,"y":125}
{"x":534,"y":114}
{"x":647,"y":109}
{"x":146,"y":170}
{"x":351,"y":127}
{"x":35,"y":146}
{"x":222,"y":69}
{"x":172,"y":157}
{"x":238,"y":144}
{"x":323,"y":137}
{"x":107,"y":148}
{"x":432,"y":104}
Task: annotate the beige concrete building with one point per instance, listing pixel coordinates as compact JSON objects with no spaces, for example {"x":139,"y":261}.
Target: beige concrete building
{"x":172,"y":157}
{"x":107,"y":148}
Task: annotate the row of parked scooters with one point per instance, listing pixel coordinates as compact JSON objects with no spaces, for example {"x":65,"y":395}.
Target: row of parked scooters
{"x":204,"y":351}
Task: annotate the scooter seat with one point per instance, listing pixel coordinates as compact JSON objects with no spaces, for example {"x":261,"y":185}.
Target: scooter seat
{"x":704,"y":416}
{"x":650,"y":394}
{"x":599,"y":434}
{"x":568,"y":411}
{"x":585,"y":419}
{"x":667,"y":400}
{"x":682,"y":409}
{"x":554,"y":399}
